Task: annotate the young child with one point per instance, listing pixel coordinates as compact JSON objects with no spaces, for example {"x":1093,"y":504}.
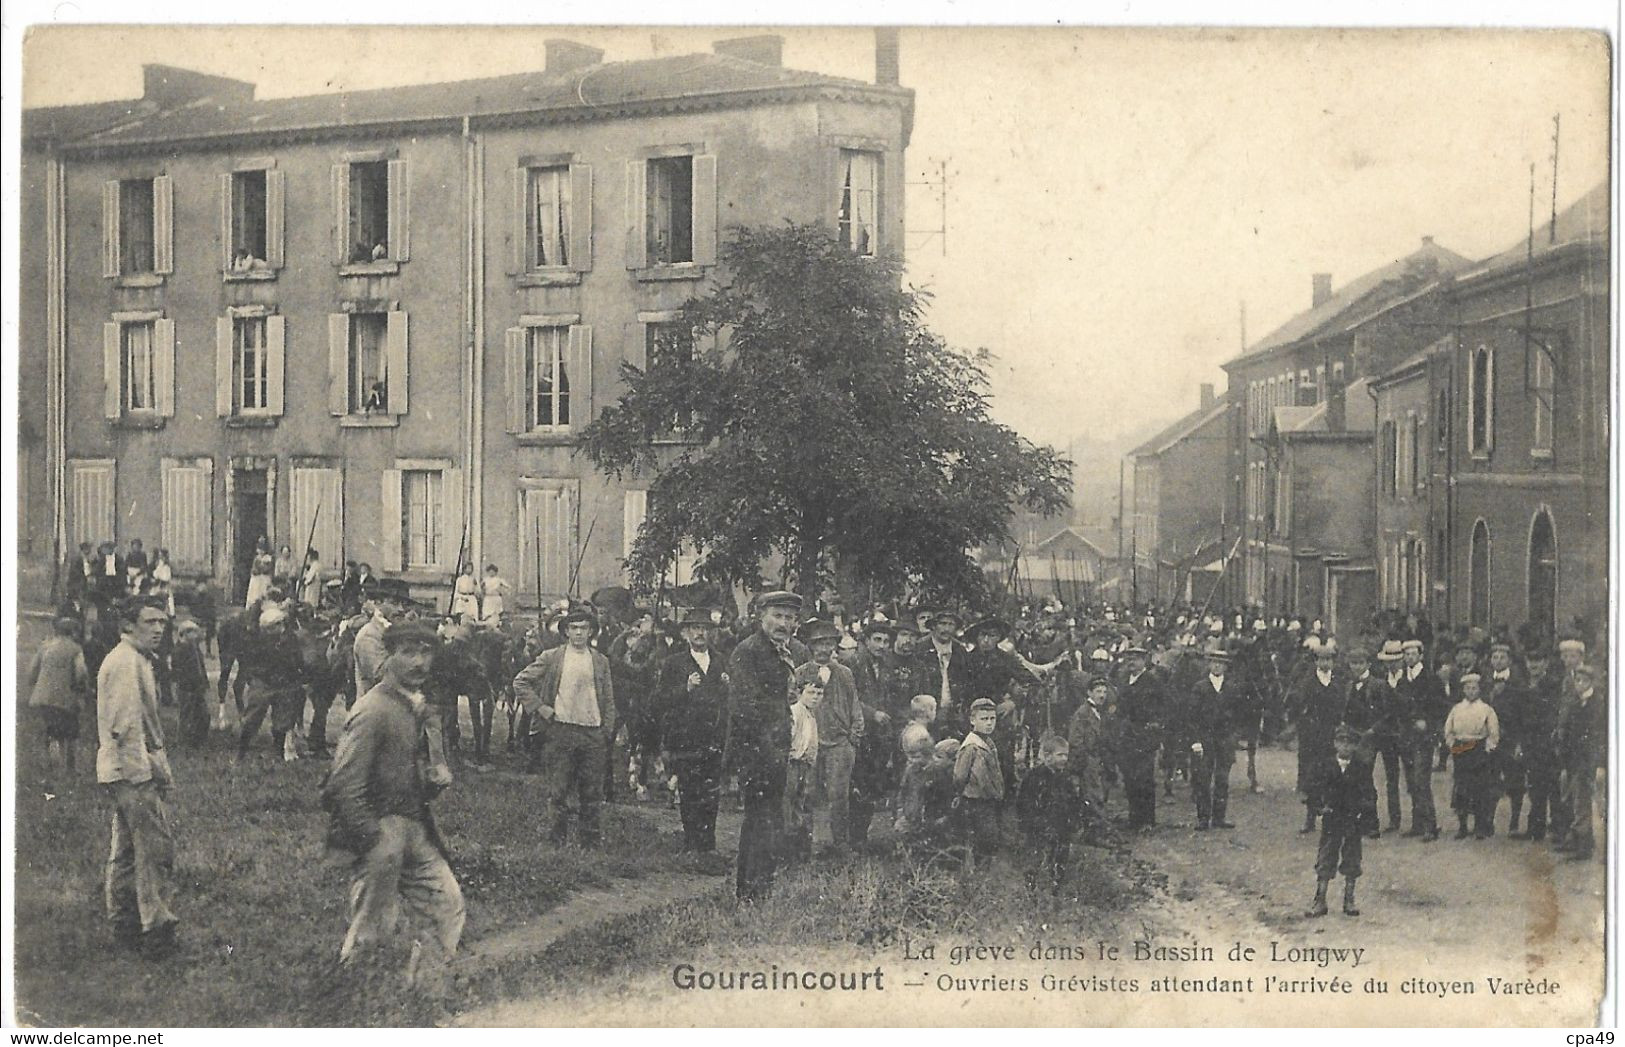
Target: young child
{"x":58,"y":683}
{"x":922,"y":710}
{"x":798,"y":782}
{"x":191,"y":681}
{"x":917,"y":753}
{"x":1348,"y":809}
{"x":1048,"y":809}
{"x":940,"y":792}
{"x":980,"y":780}
{"x":1473,"y":733}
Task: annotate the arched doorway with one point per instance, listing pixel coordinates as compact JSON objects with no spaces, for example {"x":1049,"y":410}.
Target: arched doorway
{"x":1478,"y":577}
{"x":1543,"y":573}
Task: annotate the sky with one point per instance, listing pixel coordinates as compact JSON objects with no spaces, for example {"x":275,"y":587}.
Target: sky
{"x":1114,"y":196}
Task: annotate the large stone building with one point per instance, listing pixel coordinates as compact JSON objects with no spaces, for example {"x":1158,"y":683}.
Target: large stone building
{"x":383,"y":318}
{"x":1179,"y":519}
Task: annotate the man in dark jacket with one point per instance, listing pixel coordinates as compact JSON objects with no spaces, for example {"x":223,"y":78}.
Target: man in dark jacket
{"x":758,"y":745}
{"x":1582,"y":737}
{"x":1208,"y":728}
{"x":1141,"y":695}
{"x":275,"y":667}
{"x":1348,"y":811}
{"x":1319,"y":702}
{"x":944,"y":672}
{"x":1536,"y":719}
{"x":1422,"y":706}
{"x":691,"y":694}
{"x":377,"y":794}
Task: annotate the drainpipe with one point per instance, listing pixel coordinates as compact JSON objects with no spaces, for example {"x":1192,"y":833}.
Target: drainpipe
{"x":474,"y":362}
{"x":1376,"y":488}
{"x":56,"y":357}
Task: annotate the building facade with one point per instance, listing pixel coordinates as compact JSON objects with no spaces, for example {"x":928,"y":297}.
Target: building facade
{"x":1180,"y":517}
{"x":379,"y":322}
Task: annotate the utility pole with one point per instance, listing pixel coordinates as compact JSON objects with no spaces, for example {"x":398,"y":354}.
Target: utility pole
{"x":1121,"y":510}
{"x":1557,"y":128}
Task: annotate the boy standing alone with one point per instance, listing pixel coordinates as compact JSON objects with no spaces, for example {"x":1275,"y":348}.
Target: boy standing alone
{"x":1348,"y":809}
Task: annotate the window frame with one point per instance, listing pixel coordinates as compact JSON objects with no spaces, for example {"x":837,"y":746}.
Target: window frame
{"x":356,"y":391}
{"x":239,"y":324}
{"x":559,"y":335}
{"x":564,"y":207}
{"x":845,"y":219}
{"x":1481,"y":420}
{"x":434,"y":497}
{"x":1543,"y":386}
{"x":652,"y":222}
{"x":127,"y":367}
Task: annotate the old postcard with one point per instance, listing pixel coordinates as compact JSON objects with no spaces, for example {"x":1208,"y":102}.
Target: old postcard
{"x":817,"y":526}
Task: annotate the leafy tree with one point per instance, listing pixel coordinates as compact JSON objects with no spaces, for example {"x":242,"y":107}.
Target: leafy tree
{"x":822,"y":422}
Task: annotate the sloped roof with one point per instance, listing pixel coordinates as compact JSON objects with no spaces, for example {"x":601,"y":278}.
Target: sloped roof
{"x":1584,"y":221}
{"x":1183,"y":428}
{"x":581,"y":92}
{"x":1093,"y":543}
{"x":67,"y":122}
{"x":1430,"y":259}
{"x":1359,"y":413}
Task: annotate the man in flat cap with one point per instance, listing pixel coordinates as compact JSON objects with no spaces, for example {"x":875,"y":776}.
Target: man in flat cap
{"x":1422,"y":706}
{"x":275,"y":668}
{"x":759,"y":696}
{"x":377,"y":795}
{"x":570,"y":698}
{"x":1503,"y":689}
{"x":1536,"y":747}
{"x":1320,"y":702}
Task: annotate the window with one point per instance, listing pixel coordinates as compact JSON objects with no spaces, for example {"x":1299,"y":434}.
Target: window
{"x":138,"y":366}
{"x":136,"y":238}
{"x":248,"y":363}
{"x":367,"y":377}
{"x":1418,"y":466}
{"x":670,"y":345}
{"x":547,"y":379}
{"x":1478,"y":576}
{"x":1337,"y":372}
{"x":421,"y":492}
{"x":1320,"y":383}
{"x":857,"y":220}
{"x":547,"y":536}
{"x":250,"y":360}
{"x":548,"y":217}
{"x":1388,"y":467}
{"x":1481,"y":401}
{"x":136,"y":227}
{"x":368,"y":364}
{"x":1542,"y":389}
{"x":671,"y":210}
{"x":248,"y":217}
{"x":251,"y":223}
{"x":371,"y":204}
{"x":672,"y":206}
{"x":140,"y":386}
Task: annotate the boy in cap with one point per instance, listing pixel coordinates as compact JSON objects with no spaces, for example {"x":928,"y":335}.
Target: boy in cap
{"x":1348,"y":811}
{"x":800,"y":771}
{"x":980,"y":779}
{"x":1473,"y":733}
{"x":1048,"y":808}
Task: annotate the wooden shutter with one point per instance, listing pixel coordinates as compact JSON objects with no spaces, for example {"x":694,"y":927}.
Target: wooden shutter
{"x":636,"y":351}
{"x":275,"y":356}
{"x":400,"y":203}
{"x":275,"y":218}
{"x":163,"y":225}
{"x":90,"y":501}
{"x":187,"y":516}
{"x":338,"y":364}
{"x":163,"y":367}
{"x":636,"y":510}
{"x":451,"y":518}
{"x":341,"y":213}
{"x":580,"y":373}
{"x":112,"y":372}
{"x":225,"y":379}
{"x":389,"y":521}
{"x":110,"y":230}
{"x":395,"y":374}
{"x":317,"y":498}
{"x":226,"y":183}
{"x":518,"y":222}
{"x":637,"y":243}
{"x":705,"y":210}
{"x":517,"y":390}
{"x":551,"y":511}
{"x":581,"y":217}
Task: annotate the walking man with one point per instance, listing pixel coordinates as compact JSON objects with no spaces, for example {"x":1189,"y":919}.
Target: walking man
{"x":134,"y":766}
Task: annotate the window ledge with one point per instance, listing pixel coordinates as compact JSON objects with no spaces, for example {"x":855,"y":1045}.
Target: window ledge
{"x":543,"y":439}
{"x":1480,"y":456}
{"x":385,"y":267}
{"x":422,"y":575}
{"x":251,"y":421}
{"x":140,"y":280}
{"x":550,"y":278}
{"x":676,"y":440}
{"x":139,"y":421}
{"x":1545,"y":454}
{"x":247,"y":276}
{"x":675,"y":271}
{"x":369,"y":421}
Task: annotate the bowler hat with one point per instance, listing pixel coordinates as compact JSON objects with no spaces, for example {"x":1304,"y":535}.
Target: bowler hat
{"x":402,"y":633}
{"x":942,"y":613}
{"x":1216,"y":651}
{"x":697,"y":616}
{"x":815,"y":629}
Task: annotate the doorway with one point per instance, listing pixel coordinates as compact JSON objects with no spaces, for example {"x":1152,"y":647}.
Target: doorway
{"x":250,"y":522}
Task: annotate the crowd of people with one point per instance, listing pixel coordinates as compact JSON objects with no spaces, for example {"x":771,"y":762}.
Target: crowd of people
{"x":967,"y":738}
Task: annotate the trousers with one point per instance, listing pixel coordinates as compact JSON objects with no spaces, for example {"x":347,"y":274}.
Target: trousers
{"x":1388,"y":751}
{"x":284,"y":703}
{"x":1578,"y":786}
{"x":1417,"y":755}
{"x":140,"y":879}
{"x":1341,"y":846}
{"x":761,"y":785}
{"x":572,"y":759}
{"x":1541,"y":776}
{"x":1139,"y":771}
{"x":403,"y":871}
{"x":833,"y":775}
{"x":1210,"y":779}
{"x":699,"y":789}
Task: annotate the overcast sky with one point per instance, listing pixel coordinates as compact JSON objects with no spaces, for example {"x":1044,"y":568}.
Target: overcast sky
{"x":1113,"y":195}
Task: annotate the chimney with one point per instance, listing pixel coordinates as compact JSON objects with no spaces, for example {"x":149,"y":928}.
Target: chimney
{"x":1322,"y":289}
{"x":887,"y":70}
{"x":1336,"y":407}
{"x":1427,"y":241}
{"x":561,"y":56}
{"x":1207,"y":395}
{"x":766,"y":49}
{"x":170,"y":85}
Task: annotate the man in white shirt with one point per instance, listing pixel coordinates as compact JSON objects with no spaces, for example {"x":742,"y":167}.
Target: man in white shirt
{"x":1473,"y":733}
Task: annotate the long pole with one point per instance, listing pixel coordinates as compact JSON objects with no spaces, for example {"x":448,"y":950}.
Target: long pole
{"x":1122,"y":509}
{"x":538,"y":522}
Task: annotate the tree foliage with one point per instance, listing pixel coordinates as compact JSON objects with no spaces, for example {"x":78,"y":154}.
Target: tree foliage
{"x":825,"y":424}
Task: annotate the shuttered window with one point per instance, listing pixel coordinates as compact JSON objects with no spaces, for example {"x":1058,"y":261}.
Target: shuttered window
{"x":671,"y":211}
{"x":371,"y":205}
{"x":547,"y":536}
{"x":681,"y":570}
{"x":249,"y":365}
{"x":367,"y":363}
{"x":857,"y":215}
{"x":138,"y":367}
{"x":548,"y":375}
{"x":187,"y":523}
{"x":252,"y":221}
{"x":317,"y":503}
{"x":140,"y":383}
{"x":421,"y":531}
{"x":421,"y":515}
{"x":138,"y":227}
{"x":91,"y":510}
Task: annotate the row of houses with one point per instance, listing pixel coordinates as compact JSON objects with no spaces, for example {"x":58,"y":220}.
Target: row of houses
{"x":1431,"y":437}
{"x":378,"y":321}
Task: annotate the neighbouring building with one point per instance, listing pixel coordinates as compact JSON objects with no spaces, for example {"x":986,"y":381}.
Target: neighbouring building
{"x":1179,"y":514}
{"x":1077,"y":565}
{"x":379,"y":321}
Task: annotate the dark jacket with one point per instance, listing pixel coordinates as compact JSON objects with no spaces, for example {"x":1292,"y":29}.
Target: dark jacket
{"x":1141,"y":712}
{"x":1048,"y":805}
{"x":929,"y":680}
{"x":693,"y":723}
{"x":378,"y":769}
{"x":759,"y":710}
{"x":1320,"y":709}
{"x":1211,"y":717}
{"x":1348,"y":798}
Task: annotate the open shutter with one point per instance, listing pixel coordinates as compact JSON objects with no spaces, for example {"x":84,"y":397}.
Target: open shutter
{"x":112,"y":371}
{"x":637,"y":244}
{"x":389,"y":521}
{"x":224,"y":380}
{"x":518,"y":226}
{"x":163,"y":367}
{"x":338,"y":363}
{"x":636,"y":350}
{"x":580,"y":374}
{"x":275,"y":355}
{"x":635,"y":511}
{"x":581,"y":217}
{"x":705,"y":210}
{"x":225,"y":222}
{"x":275,"y":217}
{"x":400,"y":204}
{"x":341,"y":213}
{"x":451,"y":518}
{"x":163,"y":225}
{"x":396,"y":372}
{"x":513,"y":353}
{"x":110,"y":241}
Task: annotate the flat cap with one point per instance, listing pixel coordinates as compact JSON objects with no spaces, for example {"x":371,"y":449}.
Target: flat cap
{"x":402,"y":633}
{"x":983,"y":705}
{"x":1469,"y":678}
{"x":779,"y":598}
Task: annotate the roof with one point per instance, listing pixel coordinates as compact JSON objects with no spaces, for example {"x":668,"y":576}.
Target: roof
{"x":1078,"y":534}
{"x":576,"y":93}
{"x":1586,"y":221}
{"x":1360,"y":414}
{"x":1183,"y":428}
{"x":66,"y":122}
{"x":1396,"y":277}
{"x":1412,"y":362}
